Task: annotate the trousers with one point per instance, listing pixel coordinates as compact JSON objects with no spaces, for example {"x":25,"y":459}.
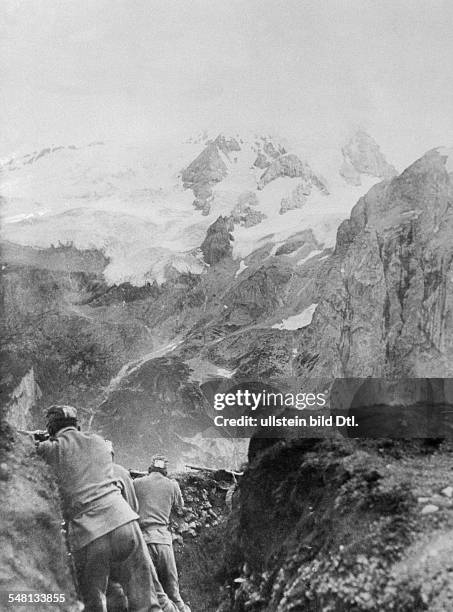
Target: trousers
{"x":122,"y":553}
{"x":164,"y":561}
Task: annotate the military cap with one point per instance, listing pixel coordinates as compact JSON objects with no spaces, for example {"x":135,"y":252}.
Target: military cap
{"x":159,"y":461}
{"x":57,"y":412}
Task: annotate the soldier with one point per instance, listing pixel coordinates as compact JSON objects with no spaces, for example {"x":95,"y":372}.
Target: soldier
{"x":103,"y":530}
{"x":116,"y":600}
{"x":157,"y":495}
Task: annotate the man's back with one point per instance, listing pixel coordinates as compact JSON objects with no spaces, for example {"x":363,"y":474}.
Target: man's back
{"x":156,"y":496}
{"x":92,"y":501}
{"x":82,"y":464}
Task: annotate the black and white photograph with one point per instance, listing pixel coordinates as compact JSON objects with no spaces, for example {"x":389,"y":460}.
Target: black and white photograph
{"x":226,"y":280}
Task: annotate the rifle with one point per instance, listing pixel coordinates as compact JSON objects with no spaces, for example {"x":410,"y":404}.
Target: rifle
{"x":200,"y":468}
{"x":39,"y":435}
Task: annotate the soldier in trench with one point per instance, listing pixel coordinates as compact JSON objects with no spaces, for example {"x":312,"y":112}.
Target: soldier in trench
{"x":116,"y":598}
{"x":103,"y":531}
{"x":157,"y":495}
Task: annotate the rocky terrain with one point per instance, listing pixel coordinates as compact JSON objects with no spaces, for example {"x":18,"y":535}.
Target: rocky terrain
{"x":95,"y":336}
{"x":325,"y":290}
{"x":375,"y":303}
{"x":347,"y":527}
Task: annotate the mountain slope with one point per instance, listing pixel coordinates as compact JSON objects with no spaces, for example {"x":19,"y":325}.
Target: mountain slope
{"x":379,"y":305}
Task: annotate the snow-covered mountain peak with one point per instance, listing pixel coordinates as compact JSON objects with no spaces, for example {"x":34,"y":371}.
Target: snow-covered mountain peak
{"x":148,"y":207}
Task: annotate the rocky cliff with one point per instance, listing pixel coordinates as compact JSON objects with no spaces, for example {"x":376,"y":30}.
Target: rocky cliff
{"x":386,"y":305}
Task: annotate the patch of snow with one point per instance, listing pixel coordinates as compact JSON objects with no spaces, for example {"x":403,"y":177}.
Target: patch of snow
{"x":224,"y":373}
{"x":309,"y":256}
{"x":242,"y":267}
{"x":298,"y":321}
{"x":24,"y":216}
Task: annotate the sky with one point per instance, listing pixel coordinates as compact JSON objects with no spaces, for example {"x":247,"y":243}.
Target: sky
{"x":77,"y":71}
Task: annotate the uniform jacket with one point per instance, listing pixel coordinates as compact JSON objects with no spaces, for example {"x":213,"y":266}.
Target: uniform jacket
{"x":157,"y":495}
{"x":92,"y":501}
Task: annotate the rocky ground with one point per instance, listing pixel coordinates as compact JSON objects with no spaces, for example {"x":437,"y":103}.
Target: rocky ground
{"x":338,"y":526}
{"x":200,"y":535}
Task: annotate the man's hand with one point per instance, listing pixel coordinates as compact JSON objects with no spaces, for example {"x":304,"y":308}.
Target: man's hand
{"x":40,"y":435}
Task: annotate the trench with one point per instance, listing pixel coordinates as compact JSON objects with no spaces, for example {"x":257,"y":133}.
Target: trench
{"x":315,"y":525}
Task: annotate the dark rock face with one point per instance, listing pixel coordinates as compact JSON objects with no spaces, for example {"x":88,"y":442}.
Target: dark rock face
{"x":267,"y":151}
{"x":207,"y":170}
{"x":387,"y":304}
{"x":261,"y":161}
{"x":217,"y":244}
{"x":204,"y":172}
{"x":362,"y":155}
{"x":299,"y":195}
{"x":258,"y":294}
{"x":243,"y":213}
{"x":286,"y":165}
{"x":289,"y":165}
{"x":227,"y":145}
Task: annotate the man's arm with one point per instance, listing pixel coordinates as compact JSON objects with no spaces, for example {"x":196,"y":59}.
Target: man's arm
{"x":178,"y":500}
{"x":127,"y":489}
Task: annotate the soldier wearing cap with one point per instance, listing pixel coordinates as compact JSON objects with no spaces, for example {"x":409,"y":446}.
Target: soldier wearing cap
{"x":157,"y":495}
{"x":103,"y":530}
{"x":116,"y":599}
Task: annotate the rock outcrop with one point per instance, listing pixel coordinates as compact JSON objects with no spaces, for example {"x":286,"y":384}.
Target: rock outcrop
{"x":343,"y":530}
{"x":199,"y":535}
{"x":386,"y":306}
{"x":291,"y":166}
{"x":245,"y":213}
{"x":208,"y":169}
{"x":362,"y":155}
{"x":266,"y":151}
{"x":217,"y":244}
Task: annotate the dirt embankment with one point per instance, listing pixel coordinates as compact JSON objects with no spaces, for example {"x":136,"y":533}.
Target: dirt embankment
{"x":33,"y":555}
{"x":338,"y":527}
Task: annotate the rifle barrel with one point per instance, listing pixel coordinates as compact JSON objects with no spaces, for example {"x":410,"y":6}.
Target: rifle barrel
{"x":200,"y":468}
